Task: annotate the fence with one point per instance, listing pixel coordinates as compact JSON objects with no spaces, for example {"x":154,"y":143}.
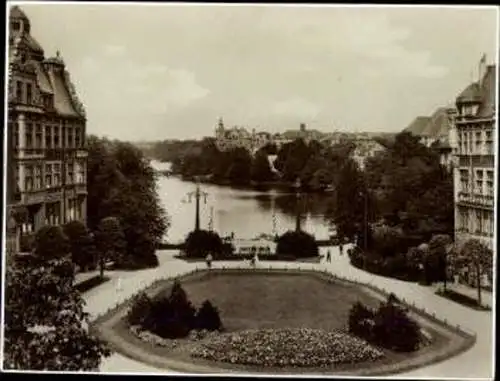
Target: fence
{"x":299,"y":269}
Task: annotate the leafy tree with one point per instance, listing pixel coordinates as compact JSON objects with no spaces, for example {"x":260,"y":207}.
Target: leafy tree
{"x":261,"y":170}
{"x":51,"y":243}
{"x":110,"y":241}
{"x":387,"y":240}
{"x":240,"y":167}
{"x":199,"y":243}
{"x":207,"y":317}
{"x":480,"y":259}
{"x":438,"y":252}
{"x":81,"y":244}
{"x":298,"y":244}
{"x":361,"y":320}
{"x":122,"y":184}
{"x":45,"y":321}
{"x":395,"y":330}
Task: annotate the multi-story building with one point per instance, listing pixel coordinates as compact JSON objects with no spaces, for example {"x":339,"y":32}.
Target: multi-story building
{"x":365,"y":147}
{"x":434,"y":132}
{"x":475,"y":128}
{"x":46,"y":126}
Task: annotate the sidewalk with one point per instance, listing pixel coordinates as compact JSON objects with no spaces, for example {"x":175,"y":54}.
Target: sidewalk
{"x":486,"y":296}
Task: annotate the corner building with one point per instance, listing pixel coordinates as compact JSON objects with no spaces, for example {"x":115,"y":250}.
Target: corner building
{"x":475,"y":130}
{"x":47,"y":159}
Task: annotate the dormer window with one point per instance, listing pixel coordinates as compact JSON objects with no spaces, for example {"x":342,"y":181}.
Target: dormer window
{"x":16,"y":26}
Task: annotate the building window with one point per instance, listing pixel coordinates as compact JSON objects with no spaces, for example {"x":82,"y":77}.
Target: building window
{"x":56,"y":136}
{"x":48,"y":175}
{"x":479,"y":143}
{"x":48,"y":137}
{"x":489,"y":143}
{"x":28,"y":178}
{"x":57,"y":174}
{"x":38,"y":136}
{"x":19,"y":91}
{"x":28,"y":135}
{"x":38,"y":177}
{"x":464,"y":180}
{"x":489,"y":183}
{"x":478,"y":186}
{"x":29,"y":93}
{"x":15,"y":136}
{"x":80,"y":173}
{"x":69,"y":142}
{"x":77,"y":137}
{"x":70,"y":173}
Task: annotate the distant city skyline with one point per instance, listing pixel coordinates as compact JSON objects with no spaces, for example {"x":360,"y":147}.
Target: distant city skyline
{"x":169,"y":72}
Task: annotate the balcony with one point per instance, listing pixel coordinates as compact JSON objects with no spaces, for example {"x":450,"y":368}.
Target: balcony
{"x":468,"y":199}
{"x":29,"y":153}
{"x":81,"y":189}
{"x":81,"y":153}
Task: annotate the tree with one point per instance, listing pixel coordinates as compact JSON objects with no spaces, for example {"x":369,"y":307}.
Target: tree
{"x":387,"y":240}
{"x":438,"y":250}
{"x":207,"y":317}
{"x":480,"y":258}
{"x":201,"y":242}
{"x":45,"y":321}
{"x":51,"y":243}
{"x":261,"y":170}
{"x":122,"y":184}
{"x":110,"y":241}
{"x":297,"y":244}
{"x":81,"y":244}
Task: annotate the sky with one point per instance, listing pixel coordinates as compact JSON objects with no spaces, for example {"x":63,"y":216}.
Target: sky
{"x":154,"y":72}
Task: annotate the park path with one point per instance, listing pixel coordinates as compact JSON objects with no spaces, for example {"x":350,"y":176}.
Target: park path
{"x":474,"y":363}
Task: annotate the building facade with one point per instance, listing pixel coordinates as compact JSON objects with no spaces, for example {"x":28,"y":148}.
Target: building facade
{"x":474,"y":174}
{"x":46,"y":128}
{"x":364,"y":148}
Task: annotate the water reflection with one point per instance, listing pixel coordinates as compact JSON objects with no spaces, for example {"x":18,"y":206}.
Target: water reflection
{"x":247,"y":213}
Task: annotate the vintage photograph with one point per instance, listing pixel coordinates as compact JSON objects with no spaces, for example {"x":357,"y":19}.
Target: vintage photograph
{"x":250,"y":189}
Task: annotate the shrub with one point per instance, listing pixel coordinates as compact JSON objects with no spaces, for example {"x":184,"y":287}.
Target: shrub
{"x":389,"y":327}
{"x":110,"y":239}
{"x":140,"y":309}
{"x":81,"y":244}
{"x":27,"y":243}
{"x":361,"y":320}
{"x":298,"y":244}
{"x":51,"y":243}
{"x":201,"y":242}
{"x":208,"y":317}
{"x":395,"y":330}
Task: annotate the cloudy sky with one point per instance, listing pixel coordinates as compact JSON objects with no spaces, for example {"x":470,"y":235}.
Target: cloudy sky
{"x":158,"y":71}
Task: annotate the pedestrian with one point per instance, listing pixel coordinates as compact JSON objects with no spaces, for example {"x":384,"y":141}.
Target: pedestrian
{"x":328,"y":256}
{"x":341,"y":248}
{"x":209,"y":260}
{"x":119,"y":284}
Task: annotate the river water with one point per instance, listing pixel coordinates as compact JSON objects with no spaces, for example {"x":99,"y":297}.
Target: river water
{"x":246,"y":213}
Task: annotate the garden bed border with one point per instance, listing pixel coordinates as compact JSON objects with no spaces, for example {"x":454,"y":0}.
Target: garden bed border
{"x":468,"y":336}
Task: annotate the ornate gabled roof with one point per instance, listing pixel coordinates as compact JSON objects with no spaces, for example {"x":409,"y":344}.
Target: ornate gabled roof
{"x":488,"y":93}
{"x":17,"y":13}
{"x":418,"y":125}
{"x":471,"y":94}
{"x":439,"y":124}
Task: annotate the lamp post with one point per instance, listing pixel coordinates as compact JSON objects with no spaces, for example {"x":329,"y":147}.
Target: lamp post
{"x":299,"y":199}
{"x":197,"y":194}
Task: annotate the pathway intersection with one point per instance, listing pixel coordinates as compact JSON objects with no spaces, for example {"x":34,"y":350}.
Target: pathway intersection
{"x":474,"y":363}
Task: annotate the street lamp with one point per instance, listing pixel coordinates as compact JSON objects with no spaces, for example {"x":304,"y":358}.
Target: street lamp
{"x":299,"y":196}
{"x":197,"y":194}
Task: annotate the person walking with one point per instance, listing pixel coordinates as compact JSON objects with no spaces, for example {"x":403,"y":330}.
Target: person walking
{"x":209,"y":260}
{"x":328,"y":256}
{"x":341,"y":248}
{"x":119,"y":284}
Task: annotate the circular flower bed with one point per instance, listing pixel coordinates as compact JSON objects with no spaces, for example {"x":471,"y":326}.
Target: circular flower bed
{"x":286,"y":347}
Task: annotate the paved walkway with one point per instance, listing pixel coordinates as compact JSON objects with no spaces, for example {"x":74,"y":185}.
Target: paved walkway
{"x":475,"y":363}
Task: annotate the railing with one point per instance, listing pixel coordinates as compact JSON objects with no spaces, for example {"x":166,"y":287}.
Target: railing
{"x":477,"y":199}
{"x":152,"y":284}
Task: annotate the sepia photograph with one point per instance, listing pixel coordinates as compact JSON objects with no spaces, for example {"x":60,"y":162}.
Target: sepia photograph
{"x":297,"y":190}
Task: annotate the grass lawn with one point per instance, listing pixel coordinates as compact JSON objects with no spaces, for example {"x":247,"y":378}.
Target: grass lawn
{"x":260,"y":300}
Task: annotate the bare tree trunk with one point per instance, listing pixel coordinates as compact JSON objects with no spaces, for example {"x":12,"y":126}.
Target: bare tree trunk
{"x":101,"y":265}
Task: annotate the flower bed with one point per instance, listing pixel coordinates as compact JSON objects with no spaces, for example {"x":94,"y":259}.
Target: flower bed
{"x":301,"y":347}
